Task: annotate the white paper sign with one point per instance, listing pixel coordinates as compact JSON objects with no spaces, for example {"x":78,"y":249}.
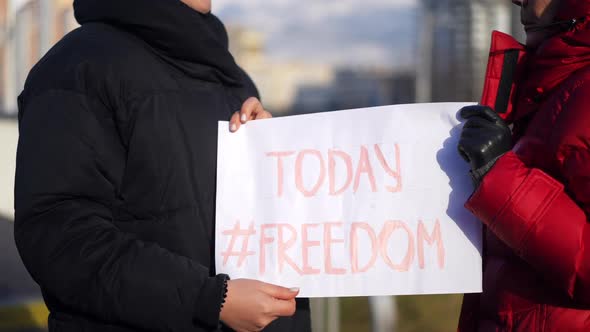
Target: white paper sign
{"x":360,"y":202}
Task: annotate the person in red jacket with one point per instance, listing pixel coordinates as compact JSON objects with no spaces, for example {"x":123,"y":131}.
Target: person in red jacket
{"x":528,"y":145}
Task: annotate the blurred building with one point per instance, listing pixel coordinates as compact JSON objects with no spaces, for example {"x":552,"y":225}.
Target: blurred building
{"x":28,"y":28}
{"x":298,"y":87}
{"x":454,"y":44}
{"x":8,"y":143}
{"x":357,"y":88}
{"x":278,"y":82}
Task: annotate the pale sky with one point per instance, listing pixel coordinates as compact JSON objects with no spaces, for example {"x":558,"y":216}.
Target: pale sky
{"x":314,"y":5}
{"x":338,"y":32}
{"x":342,"y":5}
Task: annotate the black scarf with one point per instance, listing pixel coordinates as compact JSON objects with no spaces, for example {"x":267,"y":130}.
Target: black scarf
{"x":195,"y":43}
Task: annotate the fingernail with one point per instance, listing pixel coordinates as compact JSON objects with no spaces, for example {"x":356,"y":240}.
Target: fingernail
{"x":233,"y":127}
{"x":243,"y":118}
{"x":294,"y":289}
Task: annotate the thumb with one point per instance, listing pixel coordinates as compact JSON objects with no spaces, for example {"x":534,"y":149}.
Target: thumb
{"x":282,"y":293}
{"x":463,"y":154}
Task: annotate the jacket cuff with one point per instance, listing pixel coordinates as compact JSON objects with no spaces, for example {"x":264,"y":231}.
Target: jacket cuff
{"x":211,"y":298}
{"x":512,"y":198}
{"x":496,"y":188}
{"x":478,"y":174}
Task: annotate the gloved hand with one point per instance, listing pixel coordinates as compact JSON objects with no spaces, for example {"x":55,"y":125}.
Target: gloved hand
{"x":484,"y":139}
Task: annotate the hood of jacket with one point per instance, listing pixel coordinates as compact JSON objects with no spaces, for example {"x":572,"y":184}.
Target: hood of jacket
{"x":195,"y":43}
{"x":557,"y":58}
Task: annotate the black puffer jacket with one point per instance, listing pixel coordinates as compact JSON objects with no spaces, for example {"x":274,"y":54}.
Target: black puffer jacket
{"x":115,"y":183}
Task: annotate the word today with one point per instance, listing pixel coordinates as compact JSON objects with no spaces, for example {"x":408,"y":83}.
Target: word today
{"x":334,"y":162}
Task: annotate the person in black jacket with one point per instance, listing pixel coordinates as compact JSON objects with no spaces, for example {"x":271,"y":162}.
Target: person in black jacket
{"x":115,"y":179}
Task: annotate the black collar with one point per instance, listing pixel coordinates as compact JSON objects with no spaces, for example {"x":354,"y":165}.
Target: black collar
{"x":196,"y":43}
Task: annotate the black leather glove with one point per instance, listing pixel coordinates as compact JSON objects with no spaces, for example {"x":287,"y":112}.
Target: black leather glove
{"x":484,"y":139}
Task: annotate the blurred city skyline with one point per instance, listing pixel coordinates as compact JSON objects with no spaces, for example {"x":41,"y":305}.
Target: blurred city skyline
{"x":299,"y":52}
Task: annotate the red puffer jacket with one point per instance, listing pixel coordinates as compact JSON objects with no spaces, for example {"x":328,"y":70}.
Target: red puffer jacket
{"x":535,"y":201}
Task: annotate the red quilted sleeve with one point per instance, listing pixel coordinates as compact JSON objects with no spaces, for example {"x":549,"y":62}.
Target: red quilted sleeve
{"x":532,"y":213}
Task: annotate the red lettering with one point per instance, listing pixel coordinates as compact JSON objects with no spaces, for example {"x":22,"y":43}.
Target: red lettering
{"x":283,"y":246}
{"x":299,"y":173}
{"x":397,"y":174}
{"x":328,"y":241}
{"x":354,"y":247}
{"x":305,"y":245}
{"x":287,"y":236}
{"x":364,"y":166}
{"x":388,"y":229}
{"x":332,"y":171}
{"x":264,"y":240}
{"x":280,"y":170}
{"x":435,"y":236}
